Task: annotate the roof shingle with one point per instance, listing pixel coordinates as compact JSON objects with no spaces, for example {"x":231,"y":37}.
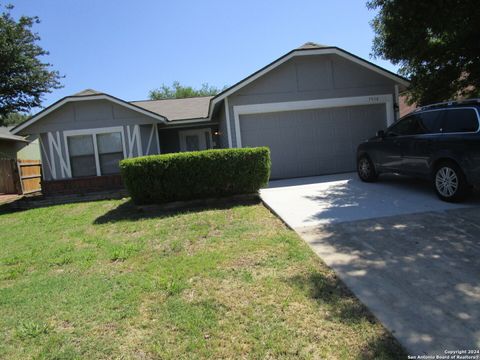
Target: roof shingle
{"x":87,"y":92}
{"x":178,"y":109}
{"x":311,"y":45}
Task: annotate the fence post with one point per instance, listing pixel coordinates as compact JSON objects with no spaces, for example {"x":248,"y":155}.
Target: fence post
{"x":16,"y":177}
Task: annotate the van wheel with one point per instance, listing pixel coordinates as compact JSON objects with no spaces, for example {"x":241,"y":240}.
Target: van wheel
{"x":366,"y":169}
{"x":449,"y":182}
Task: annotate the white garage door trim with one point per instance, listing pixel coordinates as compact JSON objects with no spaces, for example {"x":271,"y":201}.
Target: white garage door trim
{"x":238,"y":110}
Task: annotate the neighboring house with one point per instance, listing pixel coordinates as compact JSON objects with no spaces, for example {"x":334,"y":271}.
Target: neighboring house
{"x":14,"y":149}
{"x":17,"y":147}
{"x":10,"y":144}
{"x":405,"y":108}
{"x":311,"y":106}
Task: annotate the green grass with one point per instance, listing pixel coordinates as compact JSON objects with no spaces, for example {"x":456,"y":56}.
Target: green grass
{"x":105,"y":280}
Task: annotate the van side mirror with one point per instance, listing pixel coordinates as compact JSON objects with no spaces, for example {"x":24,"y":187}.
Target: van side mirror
{"x":381,"y":134}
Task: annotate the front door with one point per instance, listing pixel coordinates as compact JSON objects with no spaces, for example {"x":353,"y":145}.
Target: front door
{"x":195,"y":140}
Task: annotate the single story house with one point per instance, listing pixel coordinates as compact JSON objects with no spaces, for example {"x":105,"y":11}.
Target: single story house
{"x":15,"y":148}
{"x":18,"y":147}
{"x":311,"y":107}
{"x":10,"y":144}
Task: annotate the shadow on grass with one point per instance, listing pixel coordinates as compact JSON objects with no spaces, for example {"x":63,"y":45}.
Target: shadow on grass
{"x":345,"y":307}
{"x":6,"y":209}
{"x":42,"y":201}
{"x":330,"y":291}
{"x":382,"y":347}
{"x":131,"y":212}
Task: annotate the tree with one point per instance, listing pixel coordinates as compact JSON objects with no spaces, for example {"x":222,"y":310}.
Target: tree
{"x":24,"y":77}
{"x":177,"y":91}
{"x":435,"y":43}
{"x":13,"y":119}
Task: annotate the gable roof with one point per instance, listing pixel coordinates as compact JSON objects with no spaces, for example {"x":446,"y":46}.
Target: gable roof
{"x":201,"y":108}
{"x":309,"y":48}
{"x":178,"y":109}
{"x":86,"y":95}
{"x":87,"y":92}
{"x":312,"y":45}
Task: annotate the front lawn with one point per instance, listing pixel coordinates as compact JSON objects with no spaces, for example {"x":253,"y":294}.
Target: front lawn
{"x":105,"y":280}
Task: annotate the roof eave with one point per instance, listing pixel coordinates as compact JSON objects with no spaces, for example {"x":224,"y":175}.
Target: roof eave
{"x":190,"y":120}
{"x":315,"y":51}
{"x":14,"y":139}
{"x":77,"y":98}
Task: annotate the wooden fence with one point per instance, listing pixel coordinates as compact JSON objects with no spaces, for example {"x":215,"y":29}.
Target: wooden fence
{"x":30,"y":174}
{"x":20,"y":177}
{"x":9,"y":177}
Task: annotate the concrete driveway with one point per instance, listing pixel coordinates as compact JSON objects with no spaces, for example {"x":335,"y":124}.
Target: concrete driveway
{"x":412,"y":259}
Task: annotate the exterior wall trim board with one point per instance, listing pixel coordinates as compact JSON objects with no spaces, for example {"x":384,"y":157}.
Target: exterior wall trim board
{"x":227,"y":119}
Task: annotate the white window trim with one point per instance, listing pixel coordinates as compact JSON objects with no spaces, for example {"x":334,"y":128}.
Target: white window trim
{"x":55,"y":147}
{"x":93,"y":133}
{"x":200,"y":132}
{"x":153,"y":133}
{"x":134,"y":136}
{"x":238,"y":110}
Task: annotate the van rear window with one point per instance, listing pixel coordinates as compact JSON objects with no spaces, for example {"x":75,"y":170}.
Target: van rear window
{"x":460,"y":120}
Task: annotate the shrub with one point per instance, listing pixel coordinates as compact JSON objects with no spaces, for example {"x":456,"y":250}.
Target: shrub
{"x":195,"y":175}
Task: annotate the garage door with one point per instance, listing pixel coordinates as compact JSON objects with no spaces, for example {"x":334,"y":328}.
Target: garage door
{"x":312,"y":142}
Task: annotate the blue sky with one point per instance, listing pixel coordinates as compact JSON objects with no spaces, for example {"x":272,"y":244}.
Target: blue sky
{"x":126,"y":48}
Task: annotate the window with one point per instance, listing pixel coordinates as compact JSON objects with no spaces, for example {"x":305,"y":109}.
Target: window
{"x":82,"y":155}
{"x":110,"y":152}
{"x":406,"y":126}
{"x":192,"y":142}
{"x":430,"y":122}
{"x":97,"y":153}
{"x":460,"y":120}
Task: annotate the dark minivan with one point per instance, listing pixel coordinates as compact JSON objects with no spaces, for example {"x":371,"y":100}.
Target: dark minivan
{"x":440,"y":142}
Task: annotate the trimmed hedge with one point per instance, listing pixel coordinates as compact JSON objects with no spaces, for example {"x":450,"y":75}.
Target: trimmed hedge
{"x":157,"y":179}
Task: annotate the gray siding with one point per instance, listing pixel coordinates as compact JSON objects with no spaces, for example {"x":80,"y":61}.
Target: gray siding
{"x":309,"y":78}
{"x":88,"y":115}
{"x":84,"y":115}
{"x":145,"y":134}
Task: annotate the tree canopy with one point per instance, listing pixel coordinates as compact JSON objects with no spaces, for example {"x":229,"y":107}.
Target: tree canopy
{"x":24,"y":76}
{"x":13,"y":119}
{"x":178,"y":91}
{"x":436,"y":44}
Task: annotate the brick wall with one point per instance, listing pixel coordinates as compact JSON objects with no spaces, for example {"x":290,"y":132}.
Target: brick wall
{"x":82,"y":185}
{"x":404,"y":107}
